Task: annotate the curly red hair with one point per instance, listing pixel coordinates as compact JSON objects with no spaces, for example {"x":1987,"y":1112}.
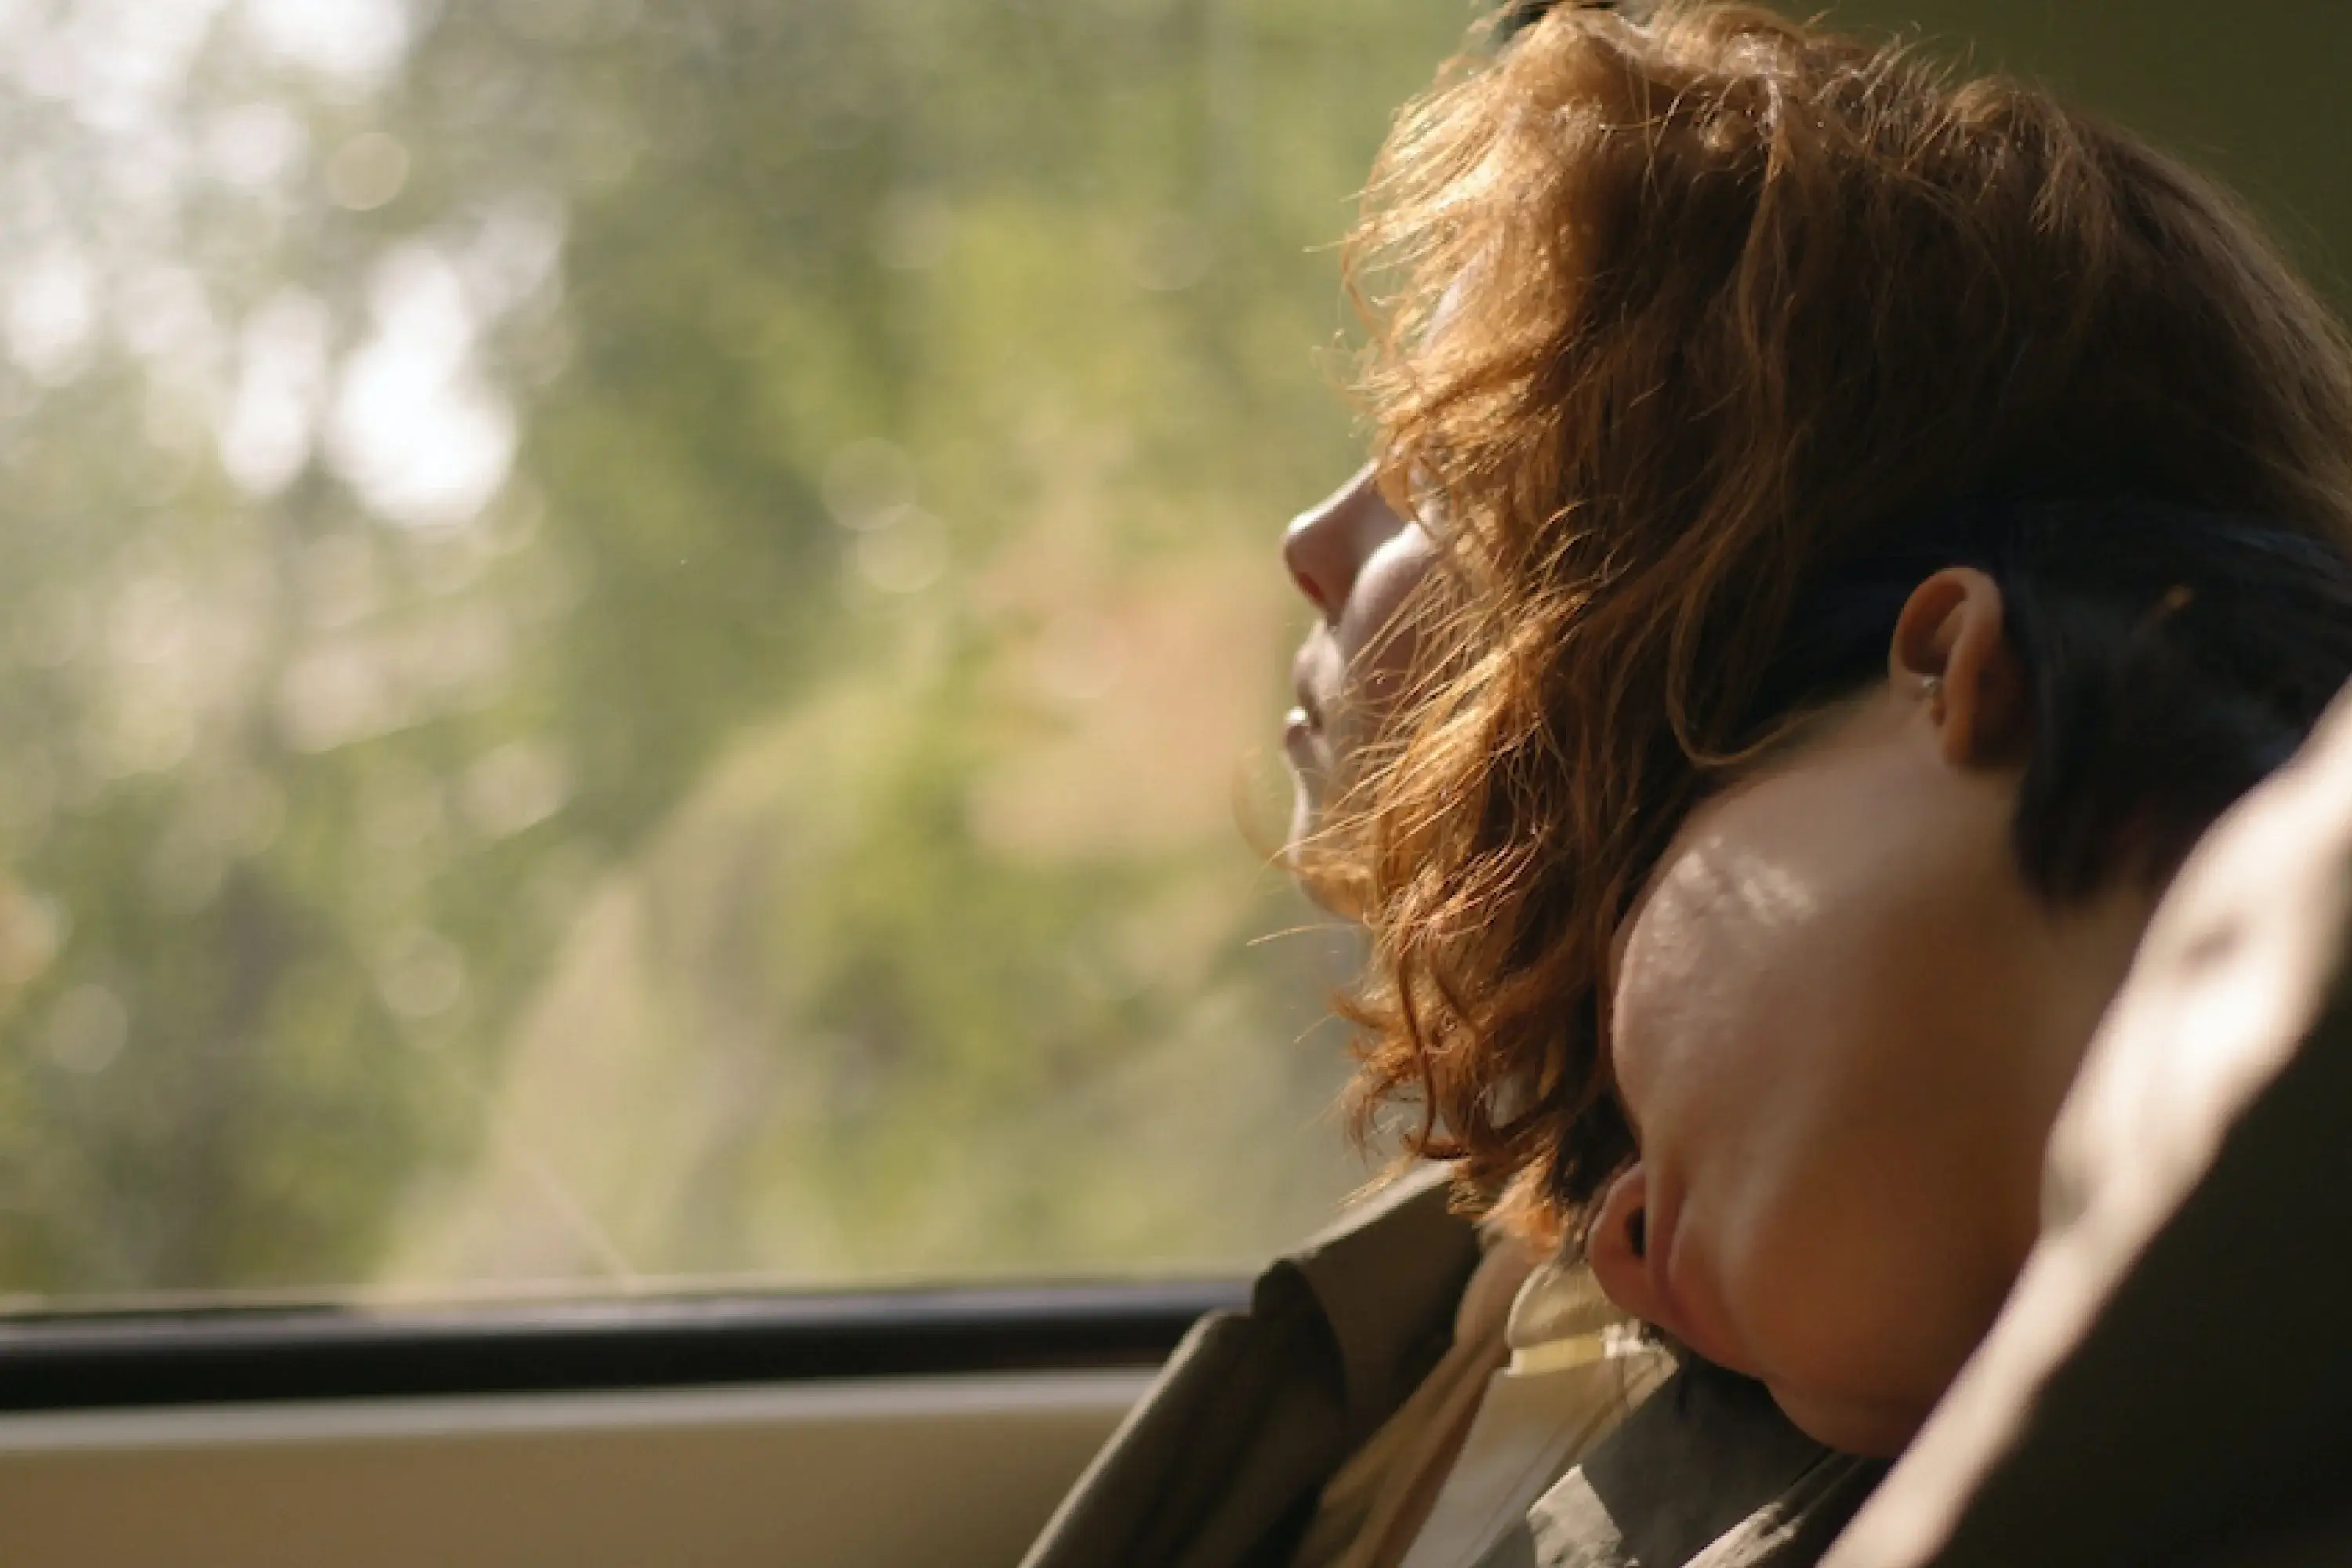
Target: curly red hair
{"x":1672,"y":316}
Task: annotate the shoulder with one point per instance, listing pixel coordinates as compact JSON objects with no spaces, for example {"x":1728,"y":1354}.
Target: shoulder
{"x":1236,"y":1438}
{"x":1706,"y":1473}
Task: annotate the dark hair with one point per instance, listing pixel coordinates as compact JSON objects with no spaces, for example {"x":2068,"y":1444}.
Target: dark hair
{"x":2173,"y":657}
{"x":1730,"y":313}
{"x":1516,"y":16}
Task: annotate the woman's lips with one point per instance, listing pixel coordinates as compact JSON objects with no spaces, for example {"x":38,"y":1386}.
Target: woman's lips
{"x":1302,"y":727}
{"x":1298,"y":731}
{"x":1664,"y":1237}
{"x":1660,"y":1226}
{"x":1689,"y":1304}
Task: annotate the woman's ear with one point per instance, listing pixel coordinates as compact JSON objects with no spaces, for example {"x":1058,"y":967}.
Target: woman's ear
{"x":1951,"y":655}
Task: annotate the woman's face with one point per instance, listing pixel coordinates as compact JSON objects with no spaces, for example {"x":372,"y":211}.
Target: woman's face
{"x":1842,"y":1025}
{"x":1357,"y":562}
{"x":1840,"y":1022}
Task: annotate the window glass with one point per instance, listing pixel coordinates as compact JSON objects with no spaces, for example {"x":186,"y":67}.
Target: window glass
{"x":638,"y":638}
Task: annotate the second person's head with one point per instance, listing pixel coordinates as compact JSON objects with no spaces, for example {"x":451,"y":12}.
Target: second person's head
{"x":1880,"y":519}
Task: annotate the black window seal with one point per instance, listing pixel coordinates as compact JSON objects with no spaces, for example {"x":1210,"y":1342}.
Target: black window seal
{"x":67,"y":1362}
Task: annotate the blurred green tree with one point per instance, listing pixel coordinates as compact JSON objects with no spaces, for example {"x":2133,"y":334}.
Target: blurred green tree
{"x":629,"y":630}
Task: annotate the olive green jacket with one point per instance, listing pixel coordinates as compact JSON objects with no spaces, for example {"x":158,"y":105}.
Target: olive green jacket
{"x":1222,"y":1464}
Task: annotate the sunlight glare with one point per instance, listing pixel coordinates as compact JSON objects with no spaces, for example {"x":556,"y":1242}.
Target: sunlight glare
{"x":414,"y":428}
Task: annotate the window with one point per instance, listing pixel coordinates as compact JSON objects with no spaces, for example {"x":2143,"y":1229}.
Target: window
{"x":629,"y":635}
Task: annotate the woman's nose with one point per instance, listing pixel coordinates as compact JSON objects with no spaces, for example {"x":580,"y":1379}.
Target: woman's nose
{"x":1617,"y":1246}
{"x":1325,"y":545}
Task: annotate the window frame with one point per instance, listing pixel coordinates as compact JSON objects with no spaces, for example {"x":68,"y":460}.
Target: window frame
{"x":64,"y":1361}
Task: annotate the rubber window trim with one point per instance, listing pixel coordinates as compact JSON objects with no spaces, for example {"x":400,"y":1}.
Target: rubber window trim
{"x":122,"y":1360}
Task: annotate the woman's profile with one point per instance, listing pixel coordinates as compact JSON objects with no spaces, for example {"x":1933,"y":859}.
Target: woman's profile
{"x":1839,"y":533}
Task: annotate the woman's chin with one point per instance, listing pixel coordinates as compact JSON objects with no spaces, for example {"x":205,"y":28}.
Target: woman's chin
{"x":1309,"y":860}
{"x":1304,"y":817}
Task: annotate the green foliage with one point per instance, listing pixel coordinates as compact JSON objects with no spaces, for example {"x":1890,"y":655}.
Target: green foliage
{"x":782,"y":826}
{"x":768,"y":811}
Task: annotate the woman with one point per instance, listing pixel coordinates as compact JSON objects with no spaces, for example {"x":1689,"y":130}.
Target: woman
{"x":1755,"y":378}
{"x":1878,"y":521}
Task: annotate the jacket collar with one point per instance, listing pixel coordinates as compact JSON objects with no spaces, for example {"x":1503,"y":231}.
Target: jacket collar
{"x":1386,"y":1278}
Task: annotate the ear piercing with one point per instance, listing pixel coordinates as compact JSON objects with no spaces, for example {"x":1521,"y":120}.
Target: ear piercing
{"x":1931,"y":689}
{"x":1637,"y":1233}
